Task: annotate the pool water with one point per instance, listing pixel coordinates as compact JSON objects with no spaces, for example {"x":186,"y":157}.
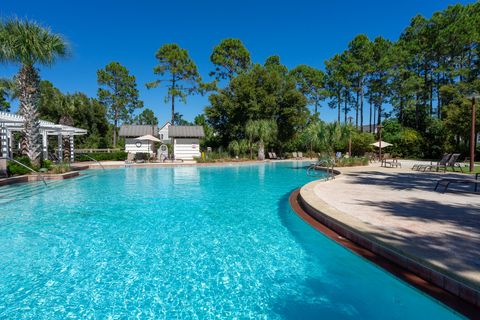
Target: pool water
{"x":182,"y":243}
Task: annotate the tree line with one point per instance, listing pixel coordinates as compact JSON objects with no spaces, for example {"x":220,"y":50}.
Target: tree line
{"x":415,"y":86}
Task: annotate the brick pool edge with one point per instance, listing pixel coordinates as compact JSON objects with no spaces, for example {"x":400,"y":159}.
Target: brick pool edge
{"x":34,"y":177}
{"x":384,"y":258}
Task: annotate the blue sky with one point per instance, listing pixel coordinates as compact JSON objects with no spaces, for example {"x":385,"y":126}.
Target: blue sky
{"x":130,"y":32}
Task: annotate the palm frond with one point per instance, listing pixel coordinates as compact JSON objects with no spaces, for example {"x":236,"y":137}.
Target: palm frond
{"x":27,"y":42}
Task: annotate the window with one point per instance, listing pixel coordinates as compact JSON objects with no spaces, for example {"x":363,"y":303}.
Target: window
{"x":161,"y":136}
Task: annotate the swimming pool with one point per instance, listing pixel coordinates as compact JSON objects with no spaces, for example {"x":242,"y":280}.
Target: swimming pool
{"x":185,"y":242}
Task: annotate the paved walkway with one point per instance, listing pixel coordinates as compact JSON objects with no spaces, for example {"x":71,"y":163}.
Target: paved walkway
{"x":400,"y":208}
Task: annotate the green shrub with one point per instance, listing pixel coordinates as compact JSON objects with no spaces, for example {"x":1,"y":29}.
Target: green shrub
{"x":103,"y":156}
{"x":243,"y":147}
{"x":47,"y":164}
{"x":219,"y":156}
{"x":407,"y":142}
{"x":310,"y":154}
{"x":351,"y":161}
{"x":234,"y":148}
{"x":60,"y":168}
{"x":361,"y":143}
{"x":142,"y":156}
{"x":14,"y":168}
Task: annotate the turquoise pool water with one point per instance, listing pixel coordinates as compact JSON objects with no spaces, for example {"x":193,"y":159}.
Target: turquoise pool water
{"x":182,"y":243}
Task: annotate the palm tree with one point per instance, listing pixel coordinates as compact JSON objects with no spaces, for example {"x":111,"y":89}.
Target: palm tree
{"x":261,"y":131}
{"x":311,"y":135}
{"x":28,"y":44}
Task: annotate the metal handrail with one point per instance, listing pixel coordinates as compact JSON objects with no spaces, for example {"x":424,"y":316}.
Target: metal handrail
{"x":323,"y":163}
{"x":86,"y":155}
{"x":27,"y":167}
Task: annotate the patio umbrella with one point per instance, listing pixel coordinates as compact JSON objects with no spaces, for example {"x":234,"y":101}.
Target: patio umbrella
{"x":148,"y":137}
{"x":384,"y":144}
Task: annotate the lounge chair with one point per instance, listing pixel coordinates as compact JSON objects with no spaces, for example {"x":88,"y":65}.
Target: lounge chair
{"x":130,"y":158}
{"x":270,"y":156}
{"x":294,"y":155}
{"x":276,"y":157}
{"x":300,"y":155}
{"x":441,"y":162}
{"x":451,"y":163}
{"x":390,"y":161}
{"x":446,"y":182}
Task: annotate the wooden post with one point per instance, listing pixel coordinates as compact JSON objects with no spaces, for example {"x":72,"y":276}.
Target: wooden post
{"x":379,"y":127}
{"x":473,"y":136}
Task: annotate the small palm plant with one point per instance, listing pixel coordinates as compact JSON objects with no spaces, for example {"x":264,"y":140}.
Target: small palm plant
{"x":28,"y":44}
{"x":263,"y":132}
{"x":311,"y":136}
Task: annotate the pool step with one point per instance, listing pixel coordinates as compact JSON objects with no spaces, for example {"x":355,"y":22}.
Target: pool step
{"x":23,"y":191}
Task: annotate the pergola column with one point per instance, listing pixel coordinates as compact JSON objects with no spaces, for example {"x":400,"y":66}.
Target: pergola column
{"x":72,"y":149}
{"x":10,"y":143}
{"x":3,"y":140}
{"x":60,"y":147}
{"x":44,"y":145}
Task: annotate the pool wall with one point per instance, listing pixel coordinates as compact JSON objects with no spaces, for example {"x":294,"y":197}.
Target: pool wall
{"x":452,"y":293}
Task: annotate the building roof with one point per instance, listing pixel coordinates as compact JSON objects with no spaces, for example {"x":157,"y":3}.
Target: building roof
{"x":186,"y":132}
{"x":15,"y":123}
{"x":166,"y":123}
{"x":366,"y":128}
{"x":138,"y":130}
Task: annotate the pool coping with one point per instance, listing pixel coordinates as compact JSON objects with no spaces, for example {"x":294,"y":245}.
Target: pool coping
{"x":462,"y":298}
{"x":34,"y":177}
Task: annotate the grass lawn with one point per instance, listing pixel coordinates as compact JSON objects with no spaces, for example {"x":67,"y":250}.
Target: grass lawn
{"x":467,"y":168}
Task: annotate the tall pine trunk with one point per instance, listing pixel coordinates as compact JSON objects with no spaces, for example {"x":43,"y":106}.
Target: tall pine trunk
{"x":339,"y":107}
{"x":173,"y":110}
{"x":431,"y":95}
{"x":356,"y":110}
{"x":28,"y":82}
{"x":115,"y":126}
{"x":380,"y":111}
{"x":400,"y":114}
{"x":370,"y":121}
{"x":361,"y":108}
{"x":173,"y":100}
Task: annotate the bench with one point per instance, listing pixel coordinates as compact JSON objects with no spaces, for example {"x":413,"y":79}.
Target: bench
{"x":391,"y":162}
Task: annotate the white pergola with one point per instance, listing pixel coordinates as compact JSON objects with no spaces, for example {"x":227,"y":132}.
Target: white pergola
{"x":10,"y":122}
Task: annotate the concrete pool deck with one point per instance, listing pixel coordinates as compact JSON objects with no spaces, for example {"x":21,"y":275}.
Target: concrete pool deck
{"x":437,"y":235}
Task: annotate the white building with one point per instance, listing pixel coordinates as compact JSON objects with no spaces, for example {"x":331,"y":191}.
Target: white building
{"x":186,"y":141}
{"x":163,"y":133}
{"x":131,"y":132}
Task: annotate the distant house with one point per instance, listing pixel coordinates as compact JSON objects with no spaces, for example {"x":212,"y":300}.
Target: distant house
{"x":163,"y":133}
{"x":369,"y":128}
{"x":130,"y":132}
{"x":186,"y":141}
